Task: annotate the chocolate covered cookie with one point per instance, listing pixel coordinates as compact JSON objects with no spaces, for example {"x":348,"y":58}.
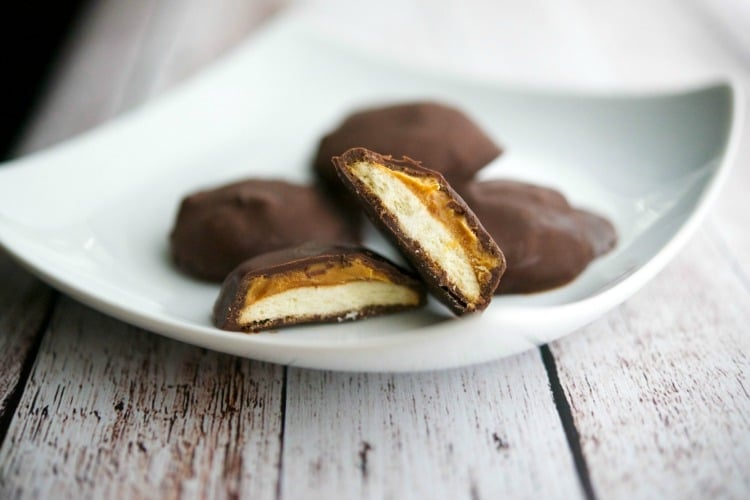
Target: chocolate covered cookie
{"x":217,"y":229}
{"x":546,"y":242}
{"x":313,"y":283}
{"x":441,"y":137}
{"x":432,"y":226}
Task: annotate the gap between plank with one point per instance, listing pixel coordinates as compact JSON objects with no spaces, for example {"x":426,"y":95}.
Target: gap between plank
{"x":566,"y":418}
{"x":281,"y":432}
{"x":14,"y":398}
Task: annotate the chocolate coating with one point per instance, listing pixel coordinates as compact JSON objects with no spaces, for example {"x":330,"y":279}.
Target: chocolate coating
{"x":217,"y":229}
{"x":435,"y":278}
{"x":232,"y":295}
{"x":546,"y":242}
{"x":441,"y":137}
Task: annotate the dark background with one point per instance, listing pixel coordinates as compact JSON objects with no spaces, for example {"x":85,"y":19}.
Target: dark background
{"x":32,"y":38}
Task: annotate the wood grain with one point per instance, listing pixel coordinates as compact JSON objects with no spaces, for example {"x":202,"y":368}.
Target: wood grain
{"x":660,"y":388}
{"x":128,"y":393}
{"x":24,"y":305}
{"x":123,"y":53}
{"x":470,"y":433}
{"x":74,"y":104}
{"x":111,"y":411}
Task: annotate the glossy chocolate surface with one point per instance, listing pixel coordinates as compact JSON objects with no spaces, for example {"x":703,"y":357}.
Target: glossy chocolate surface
{"x":546,"y":242}
{"x":217,"y":229}
{"x":441,"y":137}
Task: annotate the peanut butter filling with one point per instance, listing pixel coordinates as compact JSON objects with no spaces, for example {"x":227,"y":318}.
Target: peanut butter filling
{"x":322,"y":274}
{"x":438,"y":204}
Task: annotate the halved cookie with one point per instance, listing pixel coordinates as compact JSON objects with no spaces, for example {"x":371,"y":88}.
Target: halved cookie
{"x":313,"y":283}
{"x":430,"y":223}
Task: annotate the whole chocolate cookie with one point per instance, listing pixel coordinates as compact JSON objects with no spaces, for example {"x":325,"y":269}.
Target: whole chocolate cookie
{"x":441,"y":137}
{"x":546,"y":242}
{"x":217,"y":229}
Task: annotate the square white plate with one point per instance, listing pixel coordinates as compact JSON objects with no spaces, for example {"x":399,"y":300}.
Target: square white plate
{"x":92,"y":216}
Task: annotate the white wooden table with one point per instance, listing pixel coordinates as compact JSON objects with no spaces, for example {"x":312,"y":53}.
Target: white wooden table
{"x":650,"y":401}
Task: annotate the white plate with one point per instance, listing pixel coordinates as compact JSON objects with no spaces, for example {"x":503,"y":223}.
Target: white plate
{"x":92,"y":216}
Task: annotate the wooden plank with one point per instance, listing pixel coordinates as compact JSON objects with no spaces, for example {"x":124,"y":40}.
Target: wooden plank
{"x":89,"y":89}
{"x":113,"y":411}
{"x":501,"y":435}
{"x":75,"y":102}
{"x":486,"y":432}
{"x":421,"y":437}
{"x":660,"y":388}
{"x":24,"y":306}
